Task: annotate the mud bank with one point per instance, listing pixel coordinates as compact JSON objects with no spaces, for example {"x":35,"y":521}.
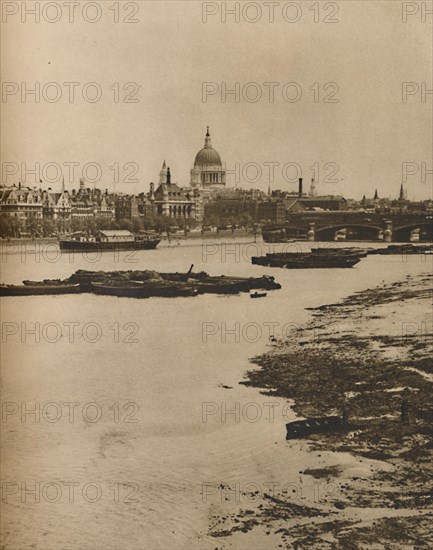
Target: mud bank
{"x":371,"y":356}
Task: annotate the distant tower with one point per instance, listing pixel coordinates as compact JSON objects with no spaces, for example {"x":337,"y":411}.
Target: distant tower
{"x":168,"y":176}
{"x":63,"y":184}
{"x":163,"y":174}
{"x":376,"y":196}
{"x":313,"y":192}
{"x":401,"y":197}
{"x":152,"y":191}
{"x":82,"y":188}
{"x":269,"y":190}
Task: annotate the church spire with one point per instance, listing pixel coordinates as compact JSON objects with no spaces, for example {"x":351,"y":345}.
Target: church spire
{"x":207,"y":141}
{"x":163,"y":174}
{"x":401,"y":197}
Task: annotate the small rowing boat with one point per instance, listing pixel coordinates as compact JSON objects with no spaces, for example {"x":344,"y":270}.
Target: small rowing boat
{"x":258,"y":294}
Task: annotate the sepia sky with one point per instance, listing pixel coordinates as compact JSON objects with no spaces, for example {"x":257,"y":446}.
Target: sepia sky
{"x":364,"y":137}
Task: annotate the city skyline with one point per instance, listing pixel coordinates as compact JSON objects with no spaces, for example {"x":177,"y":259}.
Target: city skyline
{"x":291,"y":172}
{"x":184,"y":85}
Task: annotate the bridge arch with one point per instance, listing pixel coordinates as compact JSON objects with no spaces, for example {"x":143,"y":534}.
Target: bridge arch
{"x":402,"y":234}
{"x":354,"y":232}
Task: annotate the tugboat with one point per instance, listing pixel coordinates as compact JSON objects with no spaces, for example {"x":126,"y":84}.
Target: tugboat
{"x":118,"y":239}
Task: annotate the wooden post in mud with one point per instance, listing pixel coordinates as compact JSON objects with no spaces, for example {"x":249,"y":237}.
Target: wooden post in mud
{"x":345,"y":415}
{"x":405,"y":411}
{"x":405,"y":406}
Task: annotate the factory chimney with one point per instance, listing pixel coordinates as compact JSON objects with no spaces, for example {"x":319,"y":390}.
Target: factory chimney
{"x":300,"y":188}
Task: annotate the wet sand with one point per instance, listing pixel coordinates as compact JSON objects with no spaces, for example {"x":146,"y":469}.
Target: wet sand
{"x":368,"y":354}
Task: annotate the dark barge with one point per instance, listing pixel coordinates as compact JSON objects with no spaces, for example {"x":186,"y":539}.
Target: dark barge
{"x":39,"y":289}
{"x":142,"y":284}
{"x":403,"y":249}
{"x":317,"y":258}
{"x":143,"y":290}
{"x":105,"y":240}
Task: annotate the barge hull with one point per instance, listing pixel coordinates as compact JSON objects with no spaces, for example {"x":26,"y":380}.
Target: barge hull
{"x":143,"y":292}
{"x":39,"y":290}
{"x":79,"y":246}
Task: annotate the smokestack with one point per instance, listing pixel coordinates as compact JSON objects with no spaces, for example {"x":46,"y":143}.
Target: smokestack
{"x":300,"y":188}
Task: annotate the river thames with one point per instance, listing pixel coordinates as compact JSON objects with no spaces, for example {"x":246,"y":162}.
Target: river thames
{"x":122,"y":415}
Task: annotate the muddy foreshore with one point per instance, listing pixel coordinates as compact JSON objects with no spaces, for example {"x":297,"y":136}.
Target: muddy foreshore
{"x":368,"y":354}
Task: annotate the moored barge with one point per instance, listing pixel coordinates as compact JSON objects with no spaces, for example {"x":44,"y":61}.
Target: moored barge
{"x":39,"y":289}
{"x":314,"y":259}
{"x":403,"y":249}
{"x":143,"y":290}
{"x":108,"y":240}
{"x":142,"y":284}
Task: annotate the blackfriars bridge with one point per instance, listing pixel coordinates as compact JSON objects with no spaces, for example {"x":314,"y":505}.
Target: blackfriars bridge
{"x":353,"y":225}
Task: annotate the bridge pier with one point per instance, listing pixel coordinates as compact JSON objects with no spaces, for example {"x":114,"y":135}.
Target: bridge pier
{"x":311,"y":235}
{"x":414,"y":235}
{"x":340,"y":235}
{"x":388,"y":232}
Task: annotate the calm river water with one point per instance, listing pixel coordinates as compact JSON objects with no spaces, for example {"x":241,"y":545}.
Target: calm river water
{"x":139,"y":416}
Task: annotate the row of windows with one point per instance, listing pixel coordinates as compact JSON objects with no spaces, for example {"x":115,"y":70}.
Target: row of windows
{"x":212,"y":178}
